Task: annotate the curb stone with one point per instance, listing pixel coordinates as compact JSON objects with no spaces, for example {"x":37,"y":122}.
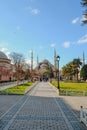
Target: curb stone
{"x":30,"y":87}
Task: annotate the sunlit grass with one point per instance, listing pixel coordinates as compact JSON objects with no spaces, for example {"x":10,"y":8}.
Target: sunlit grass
{"x":20,"y":89}
{"x":70,"y":87}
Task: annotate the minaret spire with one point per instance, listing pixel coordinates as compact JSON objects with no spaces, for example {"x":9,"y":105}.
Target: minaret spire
{"x":32,"y":60}
{"x":83,"y":59}
{"x":55,"y":58}
{"x":37,"y":60}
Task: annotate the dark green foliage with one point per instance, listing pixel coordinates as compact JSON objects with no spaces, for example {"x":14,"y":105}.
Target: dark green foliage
{"x":72,"y":68}
{"x":84,"y":72}
{"x":84,"y":4}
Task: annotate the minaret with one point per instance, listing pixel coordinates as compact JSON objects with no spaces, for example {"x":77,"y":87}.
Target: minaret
{"x":55,"y":65}
{"x":37,"y":61}
{"x":83,"y":60}
{"x":32,"y":60}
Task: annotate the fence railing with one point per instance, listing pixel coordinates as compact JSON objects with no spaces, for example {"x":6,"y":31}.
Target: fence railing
{"x":83,"y":115}
{"x":11,"y":84}
{"x":72,"y":93}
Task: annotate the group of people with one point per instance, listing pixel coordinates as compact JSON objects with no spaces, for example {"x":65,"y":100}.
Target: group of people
{"x":43,"y":79}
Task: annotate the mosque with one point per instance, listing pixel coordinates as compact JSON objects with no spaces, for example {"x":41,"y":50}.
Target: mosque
{"x":6,"y":73}
{"x":43,"y":69}
{"x":48,"y":70}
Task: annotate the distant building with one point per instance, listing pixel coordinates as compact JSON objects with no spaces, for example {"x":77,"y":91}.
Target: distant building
{"x":46,"y":69}
{"x":6,"y":73}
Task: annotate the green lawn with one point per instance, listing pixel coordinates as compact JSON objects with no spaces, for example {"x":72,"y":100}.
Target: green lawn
{"x":70,"y":88}
{"x":20,"y":89}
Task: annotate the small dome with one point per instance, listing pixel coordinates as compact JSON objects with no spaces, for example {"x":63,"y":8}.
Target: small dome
{"x":45,"y":61}
{"x":2,"y":55}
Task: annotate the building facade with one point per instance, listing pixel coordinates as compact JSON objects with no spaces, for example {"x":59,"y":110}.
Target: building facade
{"x":6,"y":73}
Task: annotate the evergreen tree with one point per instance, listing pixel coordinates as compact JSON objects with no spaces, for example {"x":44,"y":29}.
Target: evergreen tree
{"x":83,"y":72}
{"x":72,"y":69}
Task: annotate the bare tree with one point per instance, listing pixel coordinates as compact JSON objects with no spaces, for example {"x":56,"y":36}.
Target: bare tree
{"x":26,"y":69}
{"x":18,"y":61}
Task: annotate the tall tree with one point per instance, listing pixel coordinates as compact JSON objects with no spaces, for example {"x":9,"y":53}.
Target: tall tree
{"x":83,"y":72}
{"x":67,"y":70}
{"x":76,"y":65}
{"x":72,"y":69}
{"x":84,"y":4}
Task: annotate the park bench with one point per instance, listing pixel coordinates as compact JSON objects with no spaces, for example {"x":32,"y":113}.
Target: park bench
{"x":83,"y":115}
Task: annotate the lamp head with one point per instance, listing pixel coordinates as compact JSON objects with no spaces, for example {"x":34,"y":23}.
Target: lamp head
{"x":58,"y":57}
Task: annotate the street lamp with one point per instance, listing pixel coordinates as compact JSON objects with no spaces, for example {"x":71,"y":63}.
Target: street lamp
{"x":58,"y":59}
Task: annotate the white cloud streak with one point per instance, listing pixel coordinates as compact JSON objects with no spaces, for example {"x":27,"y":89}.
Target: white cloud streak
{"x":82,"y":40}
{"x":74,"y":21}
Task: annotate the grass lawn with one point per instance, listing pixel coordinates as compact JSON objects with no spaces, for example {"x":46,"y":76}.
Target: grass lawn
{"x":20,"y":89}
{"x":71,"y":88}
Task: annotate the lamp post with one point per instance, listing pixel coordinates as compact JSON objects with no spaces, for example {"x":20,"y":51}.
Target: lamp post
{"x":58,"y":59}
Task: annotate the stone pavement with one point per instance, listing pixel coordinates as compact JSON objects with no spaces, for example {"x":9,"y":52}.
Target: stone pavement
{"x":41,"y":109}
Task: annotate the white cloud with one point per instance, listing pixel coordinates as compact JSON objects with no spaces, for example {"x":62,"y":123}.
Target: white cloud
{"x":66,"y":44}
{"x":5,"y":50}
{"x":28,"y":61}
{"x":35,"y":11}
{"x":82,"y":39}
{"x":53,"y":45}
{"x":74,"y":21}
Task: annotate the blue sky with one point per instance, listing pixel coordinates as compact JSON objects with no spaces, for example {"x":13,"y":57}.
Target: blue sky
{"x":41,"y":26}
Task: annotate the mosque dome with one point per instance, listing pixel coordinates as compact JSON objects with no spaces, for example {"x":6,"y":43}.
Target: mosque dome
{"x":45,"y":61}
{"x":2,"y":55}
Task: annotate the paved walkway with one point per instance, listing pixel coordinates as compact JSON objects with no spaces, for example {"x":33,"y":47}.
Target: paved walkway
{"x":41,"y":109}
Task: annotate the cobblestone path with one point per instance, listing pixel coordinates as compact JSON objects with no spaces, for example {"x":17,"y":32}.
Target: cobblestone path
{"x":41,"y":109}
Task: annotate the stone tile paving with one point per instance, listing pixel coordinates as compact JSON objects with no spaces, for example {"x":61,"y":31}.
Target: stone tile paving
{"x":5,"y":118}
{"x":6,"y":102}
{"x":75,"y":103}
{"x":39,"y":113}
{"x":70,"y":115}
{"x":42,"y":109}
